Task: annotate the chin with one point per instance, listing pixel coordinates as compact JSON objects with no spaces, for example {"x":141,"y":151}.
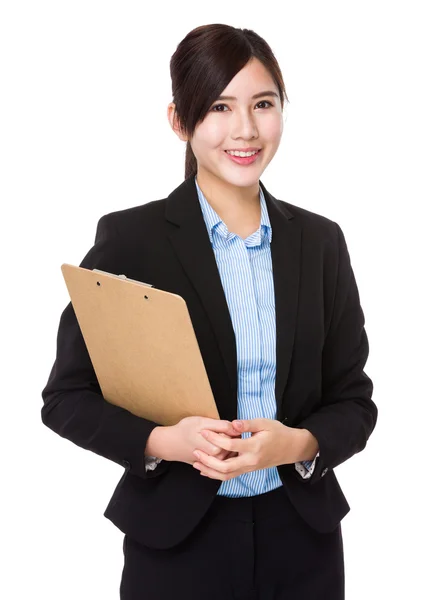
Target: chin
{"x":245,"y":178}
{"x":240,"y":182}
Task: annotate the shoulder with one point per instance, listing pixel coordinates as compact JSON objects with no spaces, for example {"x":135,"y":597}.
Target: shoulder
{"x":120,"y":222}
{"x":313,"y":224}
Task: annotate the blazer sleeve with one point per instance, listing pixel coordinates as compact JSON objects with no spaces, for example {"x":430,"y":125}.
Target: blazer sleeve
{"x":74,"y":406}
{"x":348,"y":415}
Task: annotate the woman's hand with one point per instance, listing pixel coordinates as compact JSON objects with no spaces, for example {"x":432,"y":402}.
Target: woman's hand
{"x":271,"y":444}
{"x":185,"y":436}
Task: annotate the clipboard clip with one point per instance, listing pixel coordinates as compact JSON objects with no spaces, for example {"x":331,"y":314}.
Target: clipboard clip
{"x":122,"y":276}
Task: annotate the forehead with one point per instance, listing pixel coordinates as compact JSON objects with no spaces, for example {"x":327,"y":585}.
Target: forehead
{"x":252,"y":79}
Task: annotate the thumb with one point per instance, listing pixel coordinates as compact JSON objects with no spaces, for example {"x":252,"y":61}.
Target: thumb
{"x":222,"y":427}
{"x":253,"y":425}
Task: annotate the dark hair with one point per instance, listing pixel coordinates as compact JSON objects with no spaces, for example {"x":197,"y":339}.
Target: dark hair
{"x":202,"y":66}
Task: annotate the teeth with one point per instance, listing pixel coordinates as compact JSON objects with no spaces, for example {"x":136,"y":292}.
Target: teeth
{"x":242,"y":154}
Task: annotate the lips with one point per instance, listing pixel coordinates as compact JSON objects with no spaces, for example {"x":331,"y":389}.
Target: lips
{"x":251,"y":149}
{"x":244,"y":160}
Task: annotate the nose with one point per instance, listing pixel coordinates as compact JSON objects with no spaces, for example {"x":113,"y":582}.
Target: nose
{"x":244,"y":125}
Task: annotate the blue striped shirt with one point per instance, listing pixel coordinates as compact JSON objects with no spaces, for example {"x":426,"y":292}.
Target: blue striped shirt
{"x":245,"y":268}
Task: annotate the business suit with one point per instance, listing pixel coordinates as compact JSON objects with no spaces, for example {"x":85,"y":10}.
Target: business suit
{"x":321,"y":351}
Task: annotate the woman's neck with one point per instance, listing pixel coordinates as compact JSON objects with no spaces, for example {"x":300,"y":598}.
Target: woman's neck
{"x":231,"y":202}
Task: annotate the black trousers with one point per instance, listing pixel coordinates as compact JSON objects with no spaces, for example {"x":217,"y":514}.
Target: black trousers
{"x":255,"y":548}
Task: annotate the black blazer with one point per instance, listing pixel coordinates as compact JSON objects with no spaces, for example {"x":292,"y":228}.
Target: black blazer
{"x":321,"y":351}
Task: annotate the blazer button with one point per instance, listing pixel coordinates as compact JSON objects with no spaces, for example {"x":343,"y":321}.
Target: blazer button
{"x":126,"y":464}
{"x":324,"y":472}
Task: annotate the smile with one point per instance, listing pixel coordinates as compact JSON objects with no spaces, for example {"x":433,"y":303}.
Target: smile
{"x":244,"y":160}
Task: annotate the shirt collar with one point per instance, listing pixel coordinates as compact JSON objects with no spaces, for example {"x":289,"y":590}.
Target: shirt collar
{"x":213,"y":220}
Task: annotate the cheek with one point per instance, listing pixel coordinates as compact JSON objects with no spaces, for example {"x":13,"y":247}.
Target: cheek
{"x":273,"y":129}
{"x":210,"y":136}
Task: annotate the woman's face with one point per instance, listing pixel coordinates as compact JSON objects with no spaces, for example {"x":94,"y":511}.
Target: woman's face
{"x":240,"y":123}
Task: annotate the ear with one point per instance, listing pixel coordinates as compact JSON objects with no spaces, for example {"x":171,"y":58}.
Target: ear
{"x":175,"y":123}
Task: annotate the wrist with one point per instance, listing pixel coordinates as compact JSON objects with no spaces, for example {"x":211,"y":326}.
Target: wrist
{"x":302,"y":445}
{"x":157,"y":444}
{"x":309,"y":446}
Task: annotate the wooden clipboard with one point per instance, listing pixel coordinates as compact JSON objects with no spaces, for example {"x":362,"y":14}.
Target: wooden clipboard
{"x":142,"y":345}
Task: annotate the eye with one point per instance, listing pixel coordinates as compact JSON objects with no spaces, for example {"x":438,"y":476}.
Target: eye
{"x":261,"y":102}
{"x":267,"y":102}
{"x":216,"y":106}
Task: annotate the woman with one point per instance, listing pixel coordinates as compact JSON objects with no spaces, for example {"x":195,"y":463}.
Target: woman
{"x":247,"y":506}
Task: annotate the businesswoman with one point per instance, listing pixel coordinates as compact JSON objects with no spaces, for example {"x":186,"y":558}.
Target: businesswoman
{"x":248,"y":505}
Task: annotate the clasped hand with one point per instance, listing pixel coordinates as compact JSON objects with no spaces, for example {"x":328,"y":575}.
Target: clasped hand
{"x":270,"y":445}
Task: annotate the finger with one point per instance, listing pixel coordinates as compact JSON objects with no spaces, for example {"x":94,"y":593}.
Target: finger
{"x":253,"y":425}
{"x":213,"y":450}
{"x":220,"y":454}
{"x":223,"y":454}
{"x":226,"y":455}
{"x":236,"y":434}
{"x":218,"y":425}
{"x":211,"y":473}
{"x":223,"y":466}
{"x":209,"y":448}
{"x":230,"y":444}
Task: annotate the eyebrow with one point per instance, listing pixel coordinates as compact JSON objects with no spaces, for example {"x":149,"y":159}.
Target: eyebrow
{"x":259,"y":95}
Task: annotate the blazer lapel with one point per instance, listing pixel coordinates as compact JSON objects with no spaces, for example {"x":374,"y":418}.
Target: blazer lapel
{"x":286,"y":265}
{"x":193,"y":249}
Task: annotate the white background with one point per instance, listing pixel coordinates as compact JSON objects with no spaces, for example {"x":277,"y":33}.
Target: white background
{"x":85,"y":86}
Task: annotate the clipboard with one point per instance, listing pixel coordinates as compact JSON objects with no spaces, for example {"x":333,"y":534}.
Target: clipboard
{"x":142,"y":346}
